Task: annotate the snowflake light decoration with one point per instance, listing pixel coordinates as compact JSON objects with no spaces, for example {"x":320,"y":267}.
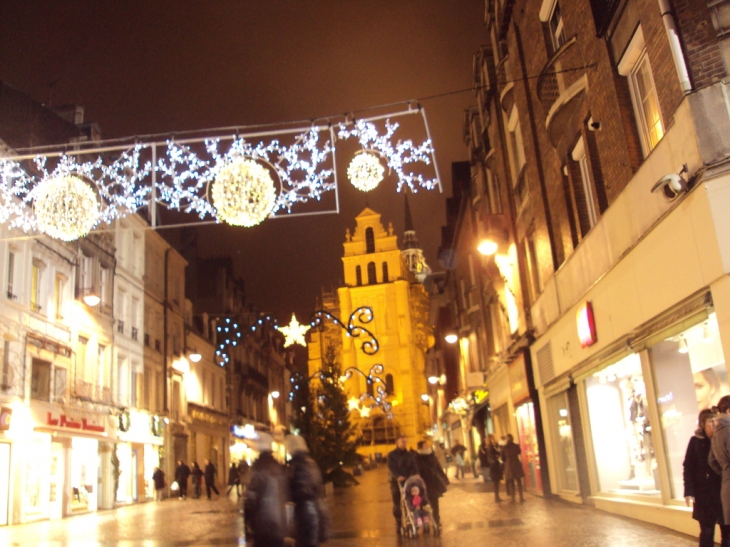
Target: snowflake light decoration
{"x":243,"y":193}
{"x":397,"y":156}
{"x":365,"y":171}
{"x":65,"y":207}
{"x":294,"y":332}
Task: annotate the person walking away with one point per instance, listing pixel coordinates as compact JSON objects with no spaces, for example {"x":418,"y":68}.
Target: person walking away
{"x":158,"y":477}
{"x":243,"y":473}
{"x":266,"y":497}
{"x":401,"y":465}
{"x":513,"y":472}
{"x":433,"y":475}
{"x":702,"y":485}
{"x":440,"y":453}
{"x":457,"y":451}
{"x":197,"y":475}
{"x":719,"y":458}
{"x":209,"y":475}
{"x":233,"y":480}
{"x":307,"y":492}
{"x":483,"y":459}
{"x":494,"y":460}
{"x":182,"y":472}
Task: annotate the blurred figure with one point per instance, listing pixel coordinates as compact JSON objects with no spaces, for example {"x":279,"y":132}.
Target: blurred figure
{"x":494,"y":460}
{"x":182,"y":472}
{"x":266,"y":497}
{"x":433,"y":476}
{"x":708,"y":387}
{"x":702,"y":485}
{"x":513,"y":472}
{"x":307,"y":493}
{"x":209,"y":475}
{"x":197,"y":475}
{"x":233,"y":480}
{"x":719,"y":458}
{"x":458,"y":451}
{"x":440,"y":453}
{"x":243,"y":473}
{"x":158,"y":477}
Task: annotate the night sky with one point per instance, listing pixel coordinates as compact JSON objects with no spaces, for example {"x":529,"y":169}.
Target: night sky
{"x":143,"y":67}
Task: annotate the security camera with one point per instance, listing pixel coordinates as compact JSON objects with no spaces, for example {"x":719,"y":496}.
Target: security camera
{"x":594,"y":126}
{"x":670,"y":186}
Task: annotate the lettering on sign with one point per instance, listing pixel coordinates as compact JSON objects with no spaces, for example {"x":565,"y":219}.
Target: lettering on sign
{"x":205,"y":417}
{"x":67,"y":422}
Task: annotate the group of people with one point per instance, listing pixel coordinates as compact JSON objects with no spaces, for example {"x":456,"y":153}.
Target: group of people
{"x":707,"y":473}
{"x":272,"y":485}
{"x":502,"y":461}
{"x":182,"y":473}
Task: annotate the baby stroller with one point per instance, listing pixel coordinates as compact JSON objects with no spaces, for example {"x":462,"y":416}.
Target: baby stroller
{"x":415,"y":518}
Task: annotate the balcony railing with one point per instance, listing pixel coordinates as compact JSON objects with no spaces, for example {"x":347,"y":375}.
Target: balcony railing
{"x":548,"y":88}
{"x":86,"y":391}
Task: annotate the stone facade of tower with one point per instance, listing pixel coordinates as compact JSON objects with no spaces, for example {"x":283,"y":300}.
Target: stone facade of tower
{"x":412,"y":253}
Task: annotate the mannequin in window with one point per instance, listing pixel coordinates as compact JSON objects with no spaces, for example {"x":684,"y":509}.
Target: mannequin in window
{"x":643,"y":447}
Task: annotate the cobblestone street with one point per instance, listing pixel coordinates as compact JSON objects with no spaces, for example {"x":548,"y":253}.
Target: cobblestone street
{"x":361,"y":516}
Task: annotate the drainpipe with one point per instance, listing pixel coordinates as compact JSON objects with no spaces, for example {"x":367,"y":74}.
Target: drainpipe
{"x":165,"y":303}
{"x":670,"y":26}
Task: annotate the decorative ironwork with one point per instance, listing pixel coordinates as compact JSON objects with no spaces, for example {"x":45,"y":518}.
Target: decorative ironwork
{"x":362,"y":314}
{"x":380,"y":396}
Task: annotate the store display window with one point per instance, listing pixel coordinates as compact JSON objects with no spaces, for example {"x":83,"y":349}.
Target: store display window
{"x":562,"y":436}
{"x":525,"y":415}
{"x":690,"y":376}
{"x":84,"y":468}
{"x":623,"y":441}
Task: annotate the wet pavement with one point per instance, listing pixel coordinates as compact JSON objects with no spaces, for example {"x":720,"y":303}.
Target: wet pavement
{"x":361,"y":516}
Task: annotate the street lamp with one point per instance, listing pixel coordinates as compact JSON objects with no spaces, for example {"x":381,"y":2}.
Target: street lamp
{"x":92,"y":299}
{"x":194,"y":356}
{"x":488,"y":247}
{"x":433,"y":380}
{"x":425,"y":398}
{"x":451,"y":338}
{"x":275,"y":394}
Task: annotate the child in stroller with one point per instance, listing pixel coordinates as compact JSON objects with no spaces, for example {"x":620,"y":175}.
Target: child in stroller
{"x":417,"y":514}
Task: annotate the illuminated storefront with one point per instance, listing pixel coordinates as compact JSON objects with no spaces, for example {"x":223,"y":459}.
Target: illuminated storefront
{"x":138,"y":454}
{"x":208,"y":438}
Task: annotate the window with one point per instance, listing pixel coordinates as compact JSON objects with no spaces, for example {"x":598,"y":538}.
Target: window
{"x":585,"y":199}
{"x":101,"y":371}
{"x":6,"y":383}
{"x":104,"y":285}
{"x":40,"y":383}
{"x":35,"y":286}
{"x":58,"y":289}
{"x":372,"y":280}
{"x":516,"y":145}
{"x":634,"y":64}
{"x":562,"y":433}
{"x":81,"y":348}
{"x":122,"y":380}
{"x":358,"y":275}
{"x":495,"y":197}
{"x":369,"y":240}
{"x":557,"y":35}
{"x":86,"y":277}
{"x":60,"y":384}
{"x":389,"y":385}
{"x":11,"y":276}
{"x":385,"y":272}
{"x":532,"y":266}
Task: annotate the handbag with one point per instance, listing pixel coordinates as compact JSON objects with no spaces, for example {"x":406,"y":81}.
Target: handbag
{"x":174,"y":486}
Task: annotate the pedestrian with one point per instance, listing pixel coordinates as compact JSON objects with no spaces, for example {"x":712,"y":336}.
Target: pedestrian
{"x":483,"y":459}
{"x":209,"y":475}
{"x":158,"y":477}
{"x":266,"y":498}
{"x":311,"y":516}
{"x":457,"y":451}
{"x":720,"y":453}
{"x":401,"y":465}
{"x":243,"y":473}
{"x":433,"y":476}
{"x":440,"y":453}
{"x":233,"y":480}
{"x":197,"y":475}
{"x":513,"y":472}
{"x":182,"y":472}
{"x":494,"y":461}
{"x":702,"y":485}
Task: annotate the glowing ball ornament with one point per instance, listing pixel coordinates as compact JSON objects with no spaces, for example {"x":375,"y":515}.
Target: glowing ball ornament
{"x":65,"y":207}
{"x":365,"y":171}
{"x":243,"y":193}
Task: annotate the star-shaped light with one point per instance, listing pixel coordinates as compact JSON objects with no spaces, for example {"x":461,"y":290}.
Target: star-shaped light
{"x":294,"y":332}
{"x":353,"y":403}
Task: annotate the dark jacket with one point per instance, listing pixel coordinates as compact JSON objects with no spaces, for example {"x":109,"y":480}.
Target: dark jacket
{"x":719,"y":460}
{"x":159,"y":478}
{"x":209,"y":473}
{"x":197,"y":473}
{"x":233,"y":477}
{"x":307,"y":493}
{"x":182,"y":472}
{"x":700,"y":481}
{"x":493,"y":458}
{"x":432,"y":473}
{"x":512,"y":461}
{"x":266,"y":497}
{"x":401,"y":463}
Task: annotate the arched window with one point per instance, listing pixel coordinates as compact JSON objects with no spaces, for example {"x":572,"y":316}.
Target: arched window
{"x":370,"y":389}
{"x":358,"y":275}
{"x":389,"y":386}
{"x":369,"y":240}
{"x":372,"y":279}
{"x":385,"y":272}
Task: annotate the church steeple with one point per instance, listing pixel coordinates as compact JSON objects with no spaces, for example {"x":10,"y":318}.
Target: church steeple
{"x":412,"y":253}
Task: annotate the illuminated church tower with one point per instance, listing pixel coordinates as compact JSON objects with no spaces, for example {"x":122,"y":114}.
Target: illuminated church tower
{"x":412,"y":253}
{"x":376,"y":276}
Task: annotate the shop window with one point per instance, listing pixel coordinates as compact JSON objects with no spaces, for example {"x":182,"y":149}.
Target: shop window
{"x":369,"y":240}
{"x":690,"y":376}
{"x":623,"y":439}
{"x":562,"y":434}
{"x":40,"y":382}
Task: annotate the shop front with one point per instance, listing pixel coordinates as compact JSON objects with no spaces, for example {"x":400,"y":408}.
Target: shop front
{"x":137,"y":453}
{"x":208,"y":438}
{"x":524,"y":413}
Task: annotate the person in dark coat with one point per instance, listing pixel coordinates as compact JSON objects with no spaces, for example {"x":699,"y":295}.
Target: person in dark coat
{"x":702,"y":485}
{"x":433,"y":476}
{"x":233,"y":480}
{"x":513,"y":472}
{"x":182,"y":472}
{"x":158,"y":477}
{"x":719,"y":458}
{"x":307,"y":493}
{"x":197,"y":475}
{"x":266,"y":498}
{"x":243,"y":473}
{"x":209,"y":474}
{"x":490,"y":456}
{"x":401,"y":465}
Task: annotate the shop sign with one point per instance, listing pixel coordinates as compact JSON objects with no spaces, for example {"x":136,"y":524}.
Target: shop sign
{"x":244,"y":431}
{"x":586,"y":325}
{"x":208,"y":417}
{"x":518,"y":379}
{"x":67,"y":422}
{"x":5,"y":415}
{"x":479,"y":396}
